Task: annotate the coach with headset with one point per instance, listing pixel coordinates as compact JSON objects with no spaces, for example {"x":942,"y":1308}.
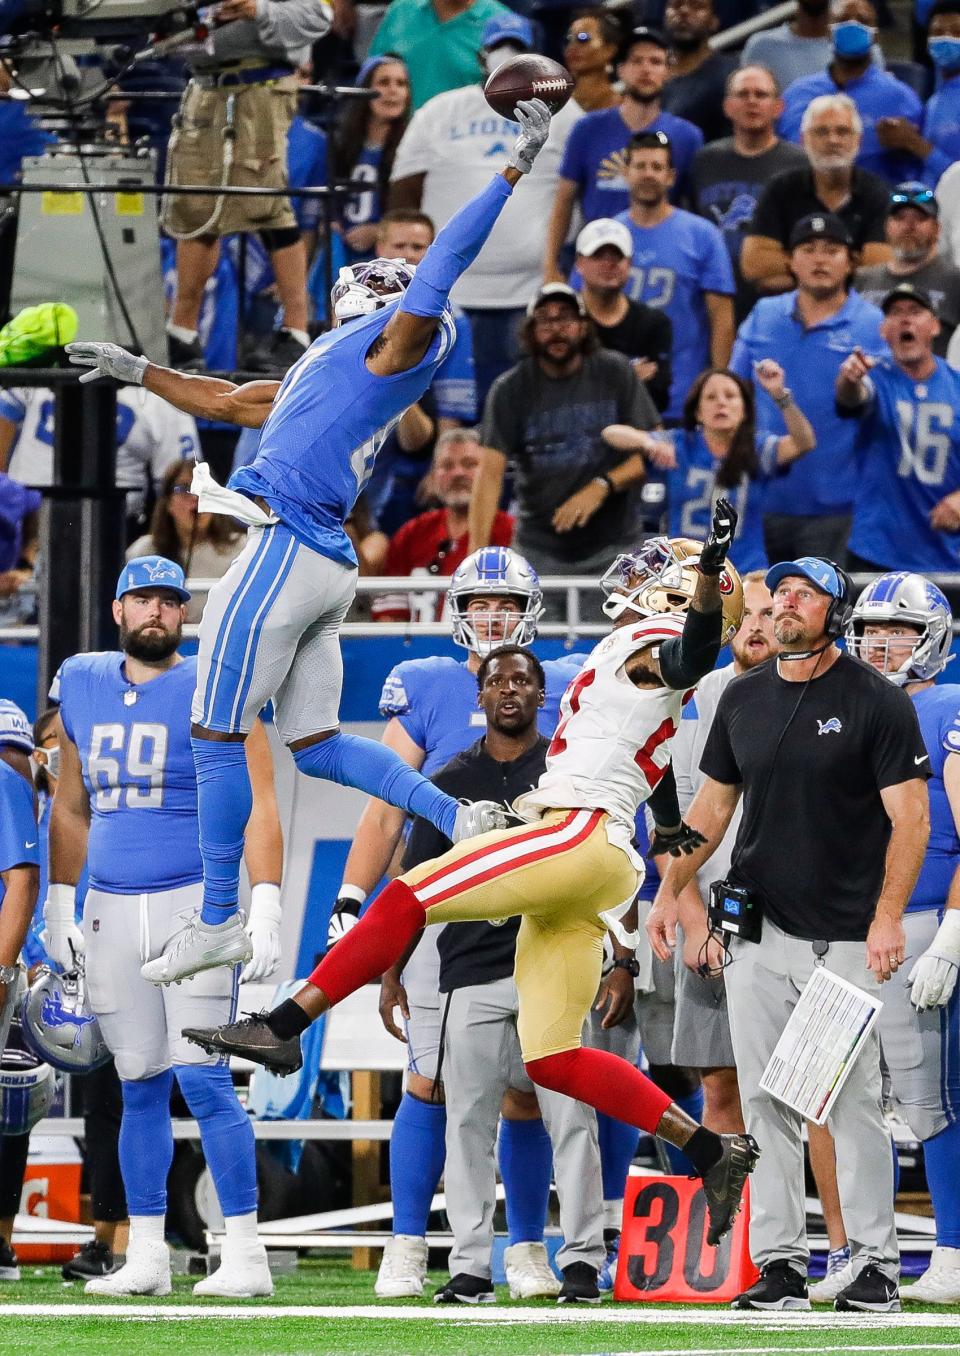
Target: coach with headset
{"x":831,"y":764}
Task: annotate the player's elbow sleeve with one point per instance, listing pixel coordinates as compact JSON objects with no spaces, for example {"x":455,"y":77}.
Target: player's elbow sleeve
{"x":687,"y":658}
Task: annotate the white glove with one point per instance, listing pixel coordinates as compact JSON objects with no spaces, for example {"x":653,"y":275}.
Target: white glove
{"x":107,"y":360}
{"x":479,"y":816}
{"x":533,"y":115}
{"x":263,"y":929}
{"x":934,"y":974}
{"x":61,"y":938}
{"x":346,"y":913}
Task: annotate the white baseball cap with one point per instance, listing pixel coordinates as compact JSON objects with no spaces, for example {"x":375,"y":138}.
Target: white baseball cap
{"x":605,"y":231}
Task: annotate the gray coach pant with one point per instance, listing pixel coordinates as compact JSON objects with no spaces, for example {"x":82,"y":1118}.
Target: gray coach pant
{"x":481,"y":1059}
{"x":764,"y":982}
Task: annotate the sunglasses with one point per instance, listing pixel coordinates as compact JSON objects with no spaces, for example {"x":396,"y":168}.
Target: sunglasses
{"x":917,"y":198}
{"x":183,"y":489}
{"x":581,"y":36}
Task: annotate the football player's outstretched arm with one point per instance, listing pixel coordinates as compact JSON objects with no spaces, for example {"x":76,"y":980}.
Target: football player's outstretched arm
{"x":203,"y":397}
{"x":409,"y":331}
{"x":687,"y":658}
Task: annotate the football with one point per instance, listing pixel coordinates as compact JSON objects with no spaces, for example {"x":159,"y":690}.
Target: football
{"x":528,"y":77}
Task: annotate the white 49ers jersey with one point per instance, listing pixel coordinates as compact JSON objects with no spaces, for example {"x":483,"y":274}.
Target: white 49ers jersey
{"x":612,"y":743}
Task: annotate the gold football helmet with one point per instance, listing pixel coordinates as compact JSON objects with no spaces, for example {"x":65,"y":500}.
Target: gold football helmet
{"x":661,"y":576}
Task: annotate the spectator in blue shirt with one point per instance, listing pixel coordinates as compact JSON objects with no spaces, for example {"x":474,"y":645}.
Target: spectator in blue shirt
{"x":937,"y":146}
{"x":807,"y":509}
{"x":680,"y":263}
{"x":592,"y":171}
{"x":877,"y":94}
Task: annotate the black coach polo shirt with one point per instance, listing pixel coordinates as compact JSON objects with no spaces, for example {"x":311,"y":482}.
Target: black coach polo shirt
{"x":475,"y":953}
{"x":812,"y":759}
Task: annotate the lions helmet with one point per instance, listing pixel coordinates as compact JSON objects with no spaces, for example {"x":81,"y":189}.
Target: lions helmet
{"x":492,"y":571}
{"x":27,"y":1089}
{"x":58,"y":1025}
{"x":362,"y":289}
{"x":901,"y":597}
{"x":661,"y":576}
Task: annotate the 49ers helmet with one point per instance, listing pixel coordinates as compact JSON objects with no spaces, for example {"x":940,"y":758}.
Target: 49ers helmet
{"x":661,"y":577}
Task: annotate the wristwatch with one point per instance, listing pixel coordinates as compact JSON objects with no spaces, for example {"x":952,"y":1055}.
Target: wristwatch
{"x":628,"y":963}
{"x":8,"y":973}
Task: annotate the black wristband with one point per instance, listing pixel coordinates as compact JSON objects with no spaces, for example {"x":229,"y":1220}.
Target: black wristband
{"x":628,"y":963}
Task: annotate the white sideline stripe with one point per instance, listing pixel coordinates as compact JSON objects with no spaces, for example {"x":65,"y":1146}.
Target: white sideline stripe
{"x":550,"y":840}
{"x":494,"y":1315}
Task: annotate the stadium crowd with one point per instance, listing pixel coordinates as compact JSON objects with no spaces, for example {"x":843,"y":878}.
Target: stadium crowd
{"x":732,"y":275}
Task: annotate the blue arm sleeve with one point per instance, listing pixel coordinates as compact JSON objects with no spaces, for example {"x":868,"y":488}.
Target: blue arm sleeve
{"x":454,"y":250}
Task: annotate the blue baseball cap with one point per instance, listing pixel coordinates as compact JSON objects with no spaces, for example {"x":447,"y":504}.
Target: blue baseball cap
{"x":507,"y":28}
{"x":15,"y":729}
{"x":820,"y":573}
{"x":152,"y":572}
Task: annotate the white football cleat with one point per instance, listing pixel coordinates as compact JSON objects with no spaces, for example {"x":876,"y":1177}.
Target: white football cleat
{"x":403,"y":1268}
{"x":199,"y":946}
{"x":145,"y":1272}
{"x":529,"y":1275}
{"x":940,"y":1283}
{"x":243,"y":1273}
{"x":827,"y":1290}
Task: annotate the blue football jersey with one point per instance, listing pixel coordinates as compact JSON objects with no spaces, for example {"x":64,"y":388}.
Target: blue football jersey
{"x":938,"y":711}
{"x":909,"y":449}
{"x":19,"y":836}
{"x":329,"y":420}
{"x":435,"y":700}
{"x":134,"y":746}
{"x":692,"y":489}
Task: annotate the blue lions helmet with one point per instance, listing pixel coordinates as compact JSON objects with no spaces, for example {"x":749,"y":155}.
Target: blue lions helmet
{"x":362,"y":289}
{"x":58,"y":1025}
{"x":27,"y":1089}
{"x":913,"y":600}
{"x":490,"y":572}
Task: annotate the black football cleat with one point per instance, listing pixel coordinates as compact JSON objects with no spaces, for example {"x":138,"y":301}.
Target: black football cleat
{"x":871,"y":1292}
{"x":780,"y":1286}
{"x":723,"y":1183}
{"x":250,"y":1038}
{"x":465,"y":1289}
{"x":580,"y":1284}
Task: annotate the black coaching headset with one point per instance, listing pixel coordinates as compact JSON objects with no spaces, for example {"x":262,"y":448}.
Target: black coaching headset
{"x":840,"y":612}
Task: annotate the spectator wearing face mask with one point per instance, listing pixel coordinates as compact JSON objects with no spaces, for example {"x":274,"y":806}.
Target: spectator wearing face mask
{"x":799,"y":47}
{"x":878,"y":95}
{"x":938,"y":145}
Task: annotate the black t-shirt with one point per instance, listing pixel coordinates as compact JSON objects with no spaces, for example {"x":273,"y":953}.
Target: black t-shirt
{"x":644,"y":332}
{"x":814,"y":831}
{"x":789,"y":197}
{"x":476,"y":953}
{"x":698,"y":96}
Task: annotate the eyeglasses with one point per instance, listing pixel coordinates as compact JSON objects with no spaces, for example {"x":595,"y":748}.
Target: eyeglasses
{"x":183,"y":489}
{"x":581,"y":36}
{"x":751,"y":94}
{"x":916,"y":197}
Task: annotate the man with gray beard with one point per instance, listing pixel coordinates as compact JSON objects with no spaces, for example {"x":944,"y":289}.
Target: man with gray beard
{"x":831,"y":133}
{"x":913,"y":234}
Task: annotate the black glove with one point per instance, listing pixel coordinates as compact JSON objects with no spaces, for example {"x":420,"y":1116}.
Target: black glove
{"x":680,"y":843}
{"x":724,"y":525}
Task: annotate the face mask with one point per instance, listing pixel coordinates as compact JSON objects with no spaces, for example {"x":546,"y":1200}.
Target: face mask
{"x":851,"y":39}
{"x":944,"y":53}
{"x":52,"y":764}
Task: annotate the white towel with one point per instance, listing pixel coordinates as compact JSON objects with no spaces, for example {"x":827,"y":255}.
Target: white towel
{"x":214,"y":498}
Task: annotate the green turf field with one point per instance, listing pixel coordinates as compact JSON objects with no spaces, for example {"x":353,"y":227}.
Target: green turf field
{"x":327,"y":1308}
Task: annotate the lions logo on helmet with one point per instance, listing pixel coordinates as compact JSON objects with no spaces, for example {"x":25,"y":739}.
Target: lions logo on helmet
{"x":493,"y":571}
{"x":914,"y":601}
{"x":362,"y":289}
{"x":27,"y":1089}
{"x":661,"y":576}
{"x":58,"y":1025}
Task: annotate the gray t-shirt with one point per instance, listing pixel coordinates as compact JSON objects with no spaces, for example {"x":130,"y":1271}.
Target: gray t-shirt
{"x":940,"y":279}
{"x":791,"y":58}
{"x":549,"y":430}
{"x":725,"y":187}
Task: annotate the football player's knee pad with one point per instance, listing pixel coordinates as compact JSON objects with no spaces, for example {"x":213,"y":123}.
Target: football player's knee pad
{"x":208,"y":1090}
{"x":140,"y":1066}
{"x":279,"y":238}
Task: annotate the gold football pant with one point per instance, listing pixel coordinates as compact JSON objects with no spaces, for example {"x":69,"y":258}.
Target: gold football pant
{"x":559,"y":875}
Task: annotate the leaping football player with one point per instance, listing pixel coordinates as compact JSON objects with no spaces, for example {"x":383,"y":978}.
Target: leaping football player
{"x":570,"y":871}
{"x":270,"y":629}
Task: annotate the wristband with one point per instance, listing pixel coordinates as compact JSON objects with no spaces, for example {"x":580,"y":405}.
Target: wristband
{"x":60,"y":901}
{"x":782,"y":401}
{"x":628,"y":963}
{"x":265,"y":901}
{"x":353,"y":892}
{"x":604,"y":479}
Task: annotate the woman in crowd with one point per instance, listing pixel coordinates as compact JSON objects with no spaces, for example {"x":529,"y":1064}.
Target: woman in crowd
{"x":204,"y":544}
{"x":592,"y":42}
{"x":364,"y":147}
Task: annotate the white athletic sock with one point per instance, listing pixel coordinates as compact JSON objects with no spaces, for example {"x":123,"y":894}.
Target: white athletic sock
{"x":147,"y":1229}
{"x":241,"y":1228}
{"x":612,"y":1214}
{"x":300,"y":335}
{"x":182,"y":333}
